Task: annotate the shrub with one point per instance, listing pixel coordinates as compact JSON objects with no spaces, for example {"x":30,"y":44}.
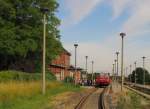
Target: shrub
{"x":68,"y":79}
{"x":22,"y":76}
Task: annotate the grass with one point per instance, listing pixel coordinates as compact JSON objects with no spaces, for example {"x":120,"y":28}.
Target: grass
{"x":27,"y":95}
{"x":7,"y":76}
{"x":131,"y":101}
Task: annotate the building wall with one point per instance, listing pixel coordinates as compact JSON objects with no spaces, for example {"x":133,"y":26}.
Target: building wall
{"x":63,"y":60}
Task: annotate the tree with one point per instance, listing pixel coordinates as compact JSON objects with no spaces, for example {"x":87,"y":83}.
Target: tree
{"x":21,"y":31}
{"x":139,"y":76}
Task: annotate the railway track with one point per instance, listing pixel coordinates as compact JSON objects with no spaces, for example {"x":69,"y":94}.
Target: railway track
{"x":83,"y":100}
{"x":139,"y":92}
{"x":101,"y":103}
{"x":94,"y":100}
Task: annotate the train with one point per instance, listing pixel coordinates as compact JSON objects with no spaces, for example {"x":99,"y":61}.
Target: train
{"x":102,"y":80}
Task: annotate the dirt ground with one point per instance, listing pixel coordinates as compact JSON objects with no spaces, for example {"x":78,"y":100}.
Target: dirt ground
{"x":69,"y":100}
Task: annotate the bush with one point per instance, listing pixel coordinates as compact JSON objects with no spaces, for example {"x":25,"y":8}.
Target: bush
{"x":68,"y":80}
{"x":22,"y":76}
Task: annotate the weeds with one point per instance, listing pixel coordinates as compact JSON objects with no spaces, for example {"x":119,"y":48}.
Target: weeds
{"x":27,"y":95}
{"x":130,"y":101}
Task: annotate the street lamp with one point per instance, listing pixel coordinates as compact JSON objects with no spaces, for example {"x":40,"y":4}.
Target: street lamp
{"x":86,"y":58}
{"x":44,"y":11}
{"x":117,"y":53}
{"x":113,"y":72}
{"x":115,"y":69}
{"x":122,"y":54}
{"x":130,"y":72}
{"x":92,"y":71}
{"x":75,"y":45}
{"x":135,"y":73}
{"x":144,"y":70}
{"x":126,"y":73}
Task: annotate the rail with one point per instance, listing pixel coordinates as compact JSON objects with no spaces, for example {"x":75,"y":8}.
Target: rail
{"x":139,"y":92}
{"x":101,"y":102}
{"x":140,"y":88}
{"x":83,"y":100}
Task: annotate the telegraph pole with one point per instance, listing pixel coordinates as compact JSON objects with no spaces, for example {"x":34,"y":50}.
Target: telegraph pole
{"x":75,"y":45}
{"x":143,"y":70}
{"x":117,"y":53}
{"x":86,"y":58}
{"x":92,"y":71}
{"x":115,"y":69}
{"x":126,"y":72}
{"x":130,"y":73}
{"x":113,"y":72}
{"x":44,"y":11}
{"x":122,"y":54}
{"x":135,"y":73}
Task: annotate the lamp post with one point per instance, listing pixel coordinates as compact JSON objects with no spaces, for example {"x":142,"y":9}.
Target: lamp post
{"x":117,"y":53}
{"x":144,"y":70}
{"x":126,"y":73}
{"x":122,"y":54}
{"x":44,"y":11}
{"x":92,"y":71}
{"x":135,"y":73}
{"x":130,"y":72}
{"x":115,"y":69}
{"x":86,"y":58}
{"x":75,"y":45}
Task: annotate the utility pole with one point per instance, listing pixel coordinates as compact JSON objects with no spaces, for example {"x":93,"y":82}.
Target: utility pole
{"x":92,"y":71}
{"x":126,"y":72}
{"x":130,"y":73}
{"x":75,"y":45}
{"x":117,"y":53}
{"x":44,"y":11}
{"x":122,"y":59}
{"x":144,"y":70}
{"x":86,"y":58}
{"x":113,"y":72}
{"x":115,"y":69}
{"x":135,"y":73}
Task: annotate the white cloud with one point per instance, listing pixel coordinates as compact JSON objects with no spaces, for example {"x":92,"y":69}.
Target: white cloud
{"x":139,"y":18}
{"x":103,"y":53}
{"x":137,"y":23}
{"x":79,"y":9}
{"x":119,"y":7}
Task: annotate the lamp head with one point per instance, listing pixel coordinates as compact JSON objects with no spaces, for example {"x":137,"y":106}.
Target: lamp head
{"x":122,"y":34}
{"x":76,"y":45}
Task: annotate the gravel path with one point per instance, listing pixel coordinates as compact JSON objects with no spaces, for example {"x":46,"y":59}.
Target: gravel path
{"x":92,"y":101}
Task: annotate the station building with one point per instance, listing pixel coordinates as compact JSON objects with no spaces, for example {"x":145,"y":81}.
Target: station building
{"x":61,"y":67}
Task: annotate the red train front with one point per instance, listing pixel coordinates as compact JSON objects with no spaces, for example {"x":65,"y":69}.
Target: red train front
{"x":102,"y":80}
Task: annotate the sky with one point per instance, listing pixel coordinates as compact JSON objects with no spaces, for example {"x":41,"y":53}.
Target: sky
{"x":95,"y":25}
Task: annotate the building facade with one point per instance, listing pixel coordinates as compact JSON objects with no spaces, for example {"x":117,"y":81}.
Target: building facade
{"x":60,"y":65}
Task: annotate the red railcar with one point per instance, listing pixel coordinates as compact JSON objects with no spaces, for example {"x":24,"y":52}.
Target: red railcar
{"x":102,"y":80}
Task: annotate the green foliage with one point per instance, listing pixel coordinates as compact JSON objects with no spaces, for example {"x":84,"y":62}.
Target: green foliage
{"x":21,"y":31}
{"x":139,"y":76}
{"x":6,"y":76}
{"x":131,"y":101}
{"x":68,"y":80}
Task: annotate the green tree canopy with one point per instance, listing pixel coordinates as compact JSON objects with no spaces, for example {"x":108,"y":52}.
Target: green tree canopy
{"x":21,"y":31}
{"x":139,"y":75}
